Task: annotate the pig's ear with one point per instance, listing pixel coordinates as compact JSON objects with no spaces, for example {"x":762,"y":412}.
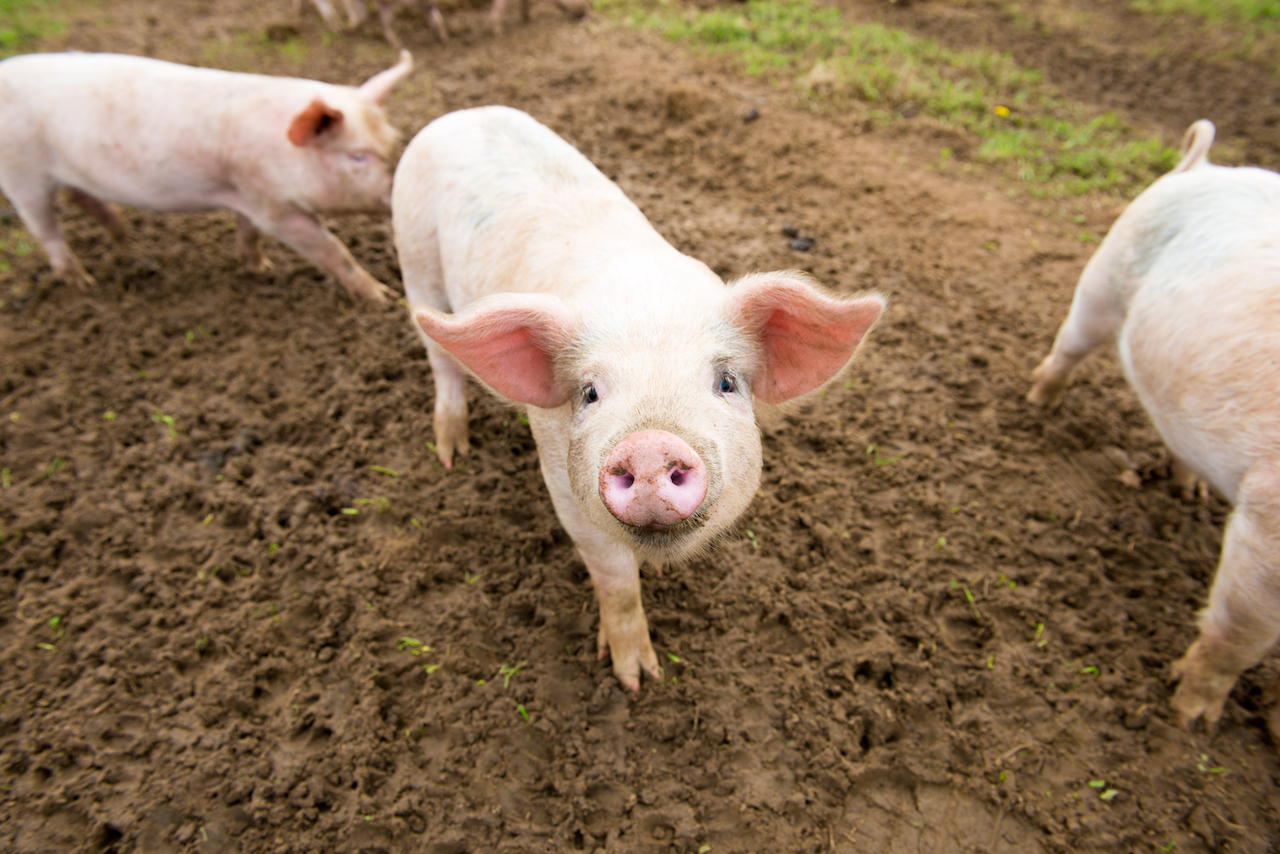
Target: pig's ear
{"x":509,"y":342}
{"x":379,"y":86}
{"x":805,"y":336}
{"x":313,"y":123}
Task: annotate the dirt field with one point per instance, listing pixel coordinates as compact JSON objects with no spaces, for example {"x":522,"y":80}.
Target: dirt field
{"x":954,"y":641}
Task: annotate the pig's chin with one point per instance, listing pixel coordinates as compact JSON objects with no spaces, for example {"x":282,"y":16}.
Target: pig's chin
{"x":671,"y":542}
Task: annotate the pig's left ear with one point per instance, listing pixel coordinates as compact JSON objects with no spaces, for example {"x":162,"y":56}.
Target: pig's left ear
{"x":379,"y":86}
{"x":509,"y":341}
{"x":310,"y":125}
{"x":805,"y":336}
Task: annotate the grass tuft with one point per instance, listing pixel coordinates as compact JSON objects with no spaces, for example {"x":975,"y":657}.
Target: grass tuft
{"x":1021,"y":124}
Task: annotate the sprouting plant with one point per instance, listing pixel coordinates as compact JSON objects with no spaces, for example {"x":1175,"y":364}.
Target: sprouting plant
{"x":350,"y":511}
{"x":167,"y":420}
{"x":523,"y":713}
{"x":384,"y":470}
{"x":55,"y":623}
{"x":415,"y":646}
{"x":202,"y":643}
{"x":874,"y":451}
{"x":6,"y":479}
{"x":55,"y":465}
{"x":471,"y":578}
{"x":273,"y":548}
{"x":380,"y":504}
{"x":109,"y":415}
{"x":751,"y":535}
{"x":430,"y":668}
{"x":506,"y":672}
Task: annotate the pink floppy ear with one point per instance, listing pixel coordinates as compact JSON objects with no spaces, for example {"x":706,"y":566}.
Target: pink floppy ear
{"x":510,"y":342}
{"x":805,"y":336}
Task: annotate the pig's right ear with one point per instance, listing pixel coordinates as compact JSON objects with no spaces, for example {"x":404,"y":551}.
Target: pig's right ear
{"x":314,"y":122}
{"x":509,"y":342}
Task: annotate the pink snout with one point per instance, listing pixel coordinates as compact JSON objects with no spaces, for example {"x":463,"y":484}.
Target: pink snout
{"x":653,"y":480}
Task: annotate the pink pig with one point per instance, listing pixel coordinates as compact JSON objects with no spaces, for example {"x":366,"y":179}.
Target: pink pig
{"x":276,"y":150}
{"x":1188,"y":285}
{"x":639,"y":367}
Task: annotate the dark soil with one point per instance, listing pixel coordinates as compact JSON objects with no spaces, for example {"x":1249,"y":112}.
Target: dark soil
{"x":946,"y":624}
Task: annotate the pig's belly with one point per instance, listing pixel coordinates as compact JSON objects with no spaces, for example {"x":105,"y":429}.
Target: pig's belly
{"x":1204,"y":359}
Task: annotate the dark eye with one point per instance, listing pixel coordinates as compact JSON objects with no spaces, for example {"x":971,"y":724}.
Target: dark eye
{"x":589,"y":393}
{"x":727,"y":385}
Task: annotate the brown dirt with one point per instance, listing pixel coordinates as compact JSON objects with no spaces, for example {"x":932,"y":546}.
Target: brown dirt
{"x":860,"y":667}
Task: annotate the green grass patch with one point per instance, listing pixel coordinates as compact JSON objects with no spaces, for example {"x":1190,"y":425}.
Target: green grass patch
{"x":24,"y":21}
{"x":1265,"y":13}
{"x":1021,"y":124}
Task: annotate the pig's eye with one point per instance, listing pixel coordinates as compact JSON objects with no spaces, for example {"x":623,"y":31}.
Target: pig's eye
{"x":359,"y":156}
{"x":589,"y":393}
{"x":727,"y":385}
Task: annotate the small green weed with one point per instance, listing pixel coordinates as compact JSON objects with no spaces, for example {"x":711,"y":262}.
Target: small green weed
{"x":167,"y":420}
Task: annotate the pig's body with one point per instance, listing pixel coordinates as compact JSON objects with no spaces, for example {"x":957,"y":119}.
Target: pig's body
{"x":637,"y":364}
{"x":278,"y":151}
{"x":1188,"y":285}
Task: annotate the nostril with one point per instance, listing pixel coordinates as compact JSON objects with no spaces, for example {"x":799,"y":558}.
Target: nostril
{"x":624,"y":481}
{"x":677,"y":475}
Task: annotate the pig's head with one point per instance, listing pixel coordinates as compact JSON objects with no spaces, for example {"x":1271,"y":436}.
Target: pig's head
{"x":346,"y":132}
{"x":663,"y":447}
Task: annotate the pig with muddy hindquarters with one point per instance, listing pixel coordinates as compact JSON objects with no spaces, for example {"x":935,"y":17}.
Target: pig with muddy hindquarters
{"x":1187,"y":283}
{"x":278,"y":151}
{"x":640,"y":368}
{"x":358,"y":12}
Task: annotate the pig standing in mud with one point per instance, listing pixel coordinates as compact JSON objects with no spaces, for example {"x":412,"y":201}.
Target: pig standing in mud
{"x":639,"y":367}
{"x":1188,"y":285}
{"x":151,"y":134}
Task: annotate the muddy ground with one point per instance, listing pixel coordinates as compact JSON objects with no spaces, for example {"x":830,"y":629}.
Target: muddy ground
{"x":945,"y":620}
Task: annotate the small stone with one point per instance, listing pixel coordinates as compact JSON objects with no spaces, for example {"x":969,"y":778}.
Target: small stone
{"x":751,"y":115}
{"x":801,"y":244}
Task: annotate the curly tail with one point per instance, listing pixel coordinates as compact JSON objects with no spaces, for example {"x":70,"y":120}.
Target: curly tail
{"x":1195,"y":145}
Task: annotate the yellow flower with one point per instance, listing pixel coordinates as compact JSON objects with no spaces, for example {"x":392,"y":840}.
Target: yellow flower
{"x":1002,"y":111}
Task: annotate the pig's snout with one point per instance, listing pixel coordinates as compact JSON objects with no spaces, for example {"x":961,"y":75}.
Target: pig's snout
{"x":653,"y":480}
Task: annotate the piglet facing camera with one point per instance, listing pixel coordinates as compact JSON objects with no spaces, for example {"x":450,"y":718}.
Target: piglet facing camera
{"x":640,"y":368}
{"x":1187,"y":284}
{"x":278,"y":151}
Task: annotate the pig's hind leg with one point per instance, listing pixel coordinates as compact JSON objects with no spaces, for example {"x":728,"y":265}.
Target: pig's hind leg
{"x":1095,"y":318}
{"x":1242,"y":619}
{"x":247,"y":240}
{"x":33,"y":198}
{"x":103,"y":212}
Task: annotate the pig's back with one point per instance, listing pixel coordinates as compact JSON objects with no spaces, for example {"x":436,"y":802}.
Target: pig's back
{"x":141,"y":131}
{"x":1201,"y":340}
{"x":516,"y":208}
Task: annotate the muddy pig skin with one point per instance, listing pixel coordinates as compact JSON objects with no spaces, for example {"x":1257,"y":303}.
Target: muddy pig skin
{"x":639,"y":367}
{"x":151,"y":134}
{"x":1187,"y":283}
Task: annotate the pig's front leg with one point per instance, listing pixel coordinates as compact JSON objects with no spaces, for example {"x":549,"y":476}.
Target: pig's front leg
{"x":615,"y":573}
{"x":1242,"y":620}
{"x":305,"y":235}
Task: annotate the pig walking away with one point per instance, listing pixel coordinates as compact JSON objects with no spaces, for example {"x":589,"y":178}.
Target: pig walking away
{"x":278,"y":151}
{"x":1188,"y":285}
{"x":639,"y":367}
